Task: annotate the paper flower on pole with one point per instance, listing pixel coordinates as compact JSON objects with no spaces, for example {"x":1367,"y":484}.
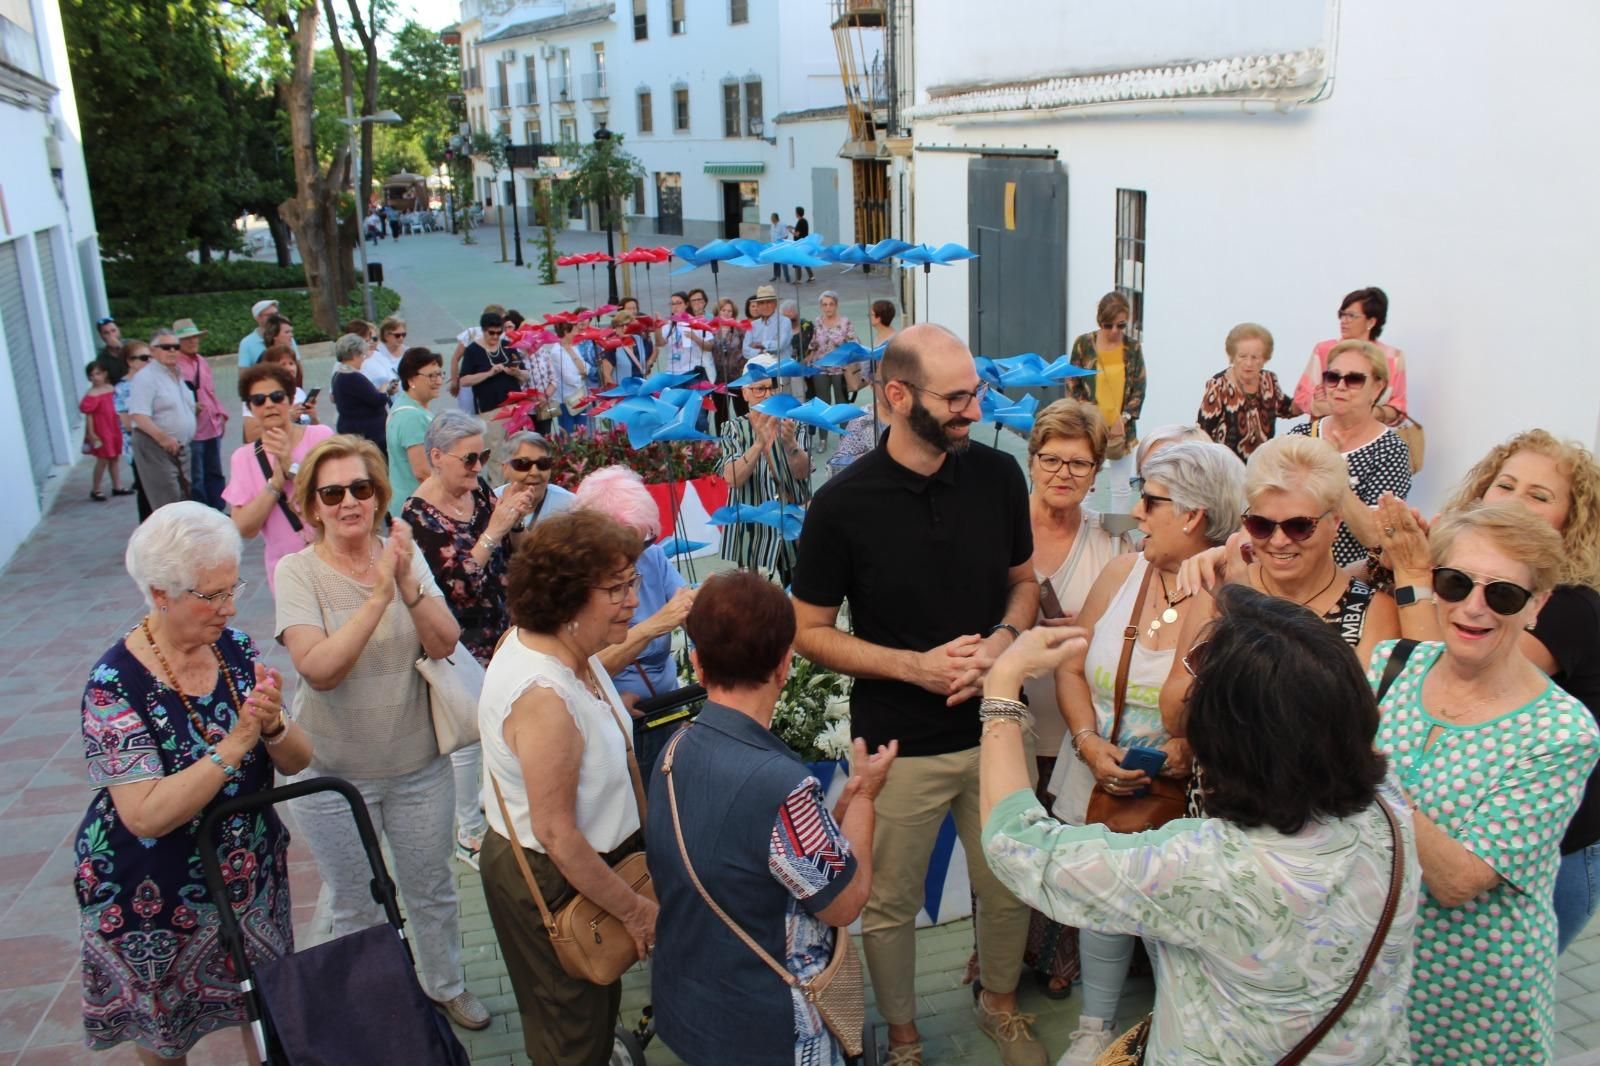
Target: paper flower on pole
{"x":678,"y":545}
{"x":852,"y":352}
{"x":670,"y":416}
{"x":637,"y":386}
{"x":794,"y":368}
{"x":1031,"y":371}
{"x":785,"y":518}
{"x":517,"y":411}
{"x":828,"y":417}
{"x":743,"y":325}
{"x":752,"y":375}
{"x":1016,"y":414}
{"x":926,"y":255}
{"x":806,"y":253}
{"x":529,"y":339}
{"x":706,"y":255}
{"x":645,"y":255}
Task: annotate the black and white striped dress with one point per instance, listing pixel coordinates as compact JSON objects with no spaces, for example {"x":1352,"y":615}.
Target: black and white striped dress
{"x":749,"y":546}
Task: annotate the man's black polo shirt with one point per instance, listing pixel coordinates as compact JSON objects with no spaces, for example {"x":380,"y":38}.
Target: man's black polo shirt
{"x":922,"y":560}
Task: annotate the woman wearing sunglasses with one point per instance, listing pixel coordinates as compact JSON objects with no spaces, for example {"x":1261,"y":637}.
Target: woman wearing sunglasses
{"x":356,"y":611}
{"x":1117,"y":387}
{"x":261,"y":474}
{"x":1493,"y":756}
{"x":1362,"y":315}
{"x":1558,"y":481}
{"x":1378,"y":459}
{"x":528,"y":466}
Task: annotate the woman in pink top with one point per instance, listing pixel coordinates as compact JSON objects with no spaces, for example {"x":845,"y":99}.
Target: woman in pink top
{"x":1361,"y":317}
{"x":260,"y":488}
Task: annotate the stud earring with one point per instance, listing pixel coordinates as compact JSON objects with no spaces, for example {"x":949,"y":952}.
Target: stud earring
{"x":572,"y":628}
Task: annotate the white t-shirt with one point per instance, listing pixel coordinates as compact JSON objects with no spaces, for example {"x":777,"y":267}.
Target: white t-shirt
{"x":381,"y":368}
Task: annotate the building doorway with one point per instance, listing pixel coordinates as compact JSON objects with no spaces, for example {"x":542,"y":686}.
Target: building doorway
{"x":740,"y":210}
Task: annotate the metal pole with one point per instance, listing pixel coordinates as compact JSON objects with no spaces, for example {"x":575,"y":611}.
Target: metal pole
{"x":516,"y":228}
{"x":500,"y":218}
{"x":611,"y":266}
{"x":361,"y":206}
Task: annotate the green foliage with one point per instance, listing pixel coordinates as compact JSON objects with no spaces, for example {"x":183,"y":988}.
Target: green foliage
{"x":417,"y":81}
{"x":602,"y":174}
{"x":393,"y":153}
{"x":552,"y":219}
{"x":125,"y":278}
{"x":226,"y":315}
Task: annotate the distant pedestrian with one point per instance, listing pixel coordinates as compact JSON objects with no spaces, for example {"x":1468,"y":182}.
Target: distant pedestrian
{"x":800,"y":231}
{"x":363,"y":410}
{"x":206,"y":480}
{"x":470,"y":335}
{"x":138,"y":356}
{"x":111,"y":354}
{"x":780,"y":232}
{"x":252,"y":344}
{"x":394,"y":222}
{"x":102,"y":431}
{"x":163,"y":419}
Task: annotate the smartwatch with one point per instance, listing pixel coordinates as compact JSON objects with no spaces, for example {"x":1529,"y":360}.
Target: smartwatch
{"x":1406,"y":595}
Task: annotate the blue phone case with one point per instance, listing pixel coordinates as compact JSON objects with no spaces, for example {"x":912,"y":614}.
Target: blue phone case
{"x":1150,"y":760}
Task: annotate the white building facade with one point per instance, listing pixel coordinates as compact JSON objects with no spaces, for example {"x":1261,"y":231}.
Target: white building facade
{"x":734,"y":107}
{"x":1224,"y":161}
{"x":50,"y":283}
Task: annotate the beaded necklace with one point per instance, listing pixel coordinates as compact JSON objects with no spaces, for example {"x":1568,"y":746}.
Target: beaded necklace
{"x":215,"y":733}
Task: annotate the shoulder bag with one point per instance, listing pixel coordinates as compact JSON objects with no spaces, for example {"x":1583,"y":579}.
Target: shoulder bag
{"x":454,"y":685}
{"x":1410,"y":431}
{"x":283,"y":502}
{"x":591,"y":944}
{"x":838,"y":992}
{"x":1128,"y":1049}
{"x":1167,"y":797}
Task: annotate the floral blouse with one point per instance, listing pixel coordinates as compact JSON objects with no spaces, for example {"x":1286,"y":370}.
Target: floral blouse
{"x":1255,"y":934}
{"x":1133,"y":388}
{"x":1240,"y":420}
{"x":825,"y":338}
{"x":476,"y":594}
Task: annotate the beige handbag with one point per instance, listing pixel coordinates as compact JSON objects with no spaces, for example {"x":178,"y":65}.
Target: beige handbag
{"x":454,"y":684}
{"x":838,"y":992}
{"x":1410,"y":431}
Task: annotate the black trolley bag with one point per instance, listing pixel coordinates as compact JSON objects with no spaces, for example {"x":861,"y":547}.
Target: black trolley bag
{"x":355,"y":999}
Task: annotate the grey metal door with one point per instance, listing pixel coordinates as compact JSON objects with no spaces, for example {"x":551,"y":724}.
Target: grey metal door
{"x":1017,"y":223}
{"x":24,"y":364}
{"x":73,"y":383}
{"x":824,"y":209}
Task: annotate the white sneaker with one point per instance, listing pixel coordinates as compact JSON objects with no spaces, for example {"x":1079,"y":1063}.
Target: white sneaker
{"x":1089,"y":1041}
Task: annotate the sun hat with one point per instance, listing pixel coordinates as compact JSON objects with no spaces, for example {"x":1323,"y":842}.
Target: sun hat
{"x":185,"y":327}
{"x":766,"y":292}
{"x":261,"y":305}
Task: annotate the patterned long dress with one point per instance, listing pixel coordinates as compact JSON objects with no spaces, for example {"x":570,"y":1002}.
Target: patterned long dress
{"x":154,"y":971}
{"x":747,"y":545}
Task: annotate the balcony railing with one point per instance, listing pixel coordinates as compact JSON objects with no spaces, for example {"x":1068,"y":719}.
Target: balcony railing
{"x":502,"y":95}
{"x":594,"y":86}
{"x":472,"y":78}
{"x":560,"y":88}
{"x":530,"y":94}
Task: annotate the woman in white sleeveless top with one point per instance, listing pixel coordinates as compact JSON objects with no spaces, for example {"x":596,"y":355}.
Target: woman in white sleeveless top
{"x":554,"y":741}
{"x":1192,"y":498}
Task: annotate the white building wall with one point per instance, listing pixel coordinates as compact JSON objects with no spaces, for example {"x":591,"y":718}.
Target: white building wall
{"x":1442,"y":168}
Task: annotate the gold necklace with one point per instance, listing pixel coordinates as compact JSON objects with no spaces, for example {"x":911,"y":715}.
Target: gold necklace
{"x":1168,"y":616}
{"x":349,"y":570}
{"x":214,"y":734}
{"x":1305,"y":602}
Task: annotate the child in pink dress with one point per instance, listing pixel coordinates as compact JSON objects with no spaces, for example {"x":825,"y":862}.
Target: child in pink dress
{"x":102,"y":432}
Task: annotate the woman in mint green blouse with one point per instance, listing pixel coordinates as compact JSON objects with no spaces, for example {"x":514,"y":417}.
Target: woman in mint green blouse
{"x":1258,"y":915}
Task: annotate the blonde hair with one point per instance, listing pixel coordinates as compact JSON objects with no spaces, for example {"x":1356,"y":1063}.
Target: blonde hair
{"x":1514,"y":530}
{"x":342,"y":446}
{"x":1247,"y":331}
{"x":389,"y":325}
{"x":1285,"y":464}
{"x":1581,"y":538}
{"x":1070,"y":420}
{"x":1374,"y":355}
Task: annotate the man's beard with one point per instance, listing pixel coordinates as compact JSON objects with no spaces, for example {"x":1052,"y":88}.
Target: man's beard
{"x":935,"y":433}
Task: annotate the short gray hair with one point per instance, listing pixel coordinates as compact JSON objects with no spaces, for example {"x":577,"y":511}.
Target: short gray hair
{"x":787,"y":306}
{"x":1164,"y":435}
{"x":448,"y":427}
{"x":827,"y":294}
{"x":515,"y":442}
{"x":177,"y":541}
{"x":1202,"y":476}
{"x":348,"y":347}
{"x":158,"y":334}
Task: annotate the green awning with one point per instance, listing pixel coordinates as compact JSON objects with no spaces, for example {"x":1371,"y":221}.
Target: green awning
{"x":736,"y":170}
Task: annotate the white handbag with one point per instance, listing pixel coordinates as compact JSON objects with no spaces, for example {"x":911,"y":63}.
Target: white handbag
{"x":454,"y":685}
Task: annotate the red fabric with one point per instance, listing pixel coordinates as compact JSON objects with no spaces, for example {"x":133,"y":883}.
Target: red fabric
{"x":712,"y":491}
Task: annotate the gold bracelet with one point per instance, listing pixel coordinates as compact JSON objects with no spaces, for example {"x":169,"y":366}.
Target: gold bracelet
{"x":412,"y":603}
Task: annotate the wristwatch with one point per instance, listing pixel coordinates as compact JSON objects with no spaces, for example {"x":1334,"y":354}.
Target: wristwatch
{"x":1007,"y":626}
{"x":1406,"y":595}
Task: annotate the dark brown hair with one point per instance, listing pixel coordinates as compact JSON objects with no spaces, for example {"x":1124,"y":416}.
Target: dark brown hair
{"x":414,"y":362}
{"x":741,"y":625}
{"x":1374,"y":305}
{"x":1112,"y":304}
{"x":557,"y":565}
{"x":883,"y":311}
{"x":251,"y":375}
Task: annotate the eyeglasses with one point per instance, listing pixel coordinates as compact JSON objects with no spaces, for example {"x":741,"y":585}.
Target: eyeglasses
{"x":522,"y":464}
{"x":261,"y":399}
{"x":957,"y":401}
{"x":472,"y":460}
{"x":434,"y":375}
{"x":1296,"y":529}
{"x":1051,"y":464}
{"x":760,"y":389}
{"x":138,"y":358}
{"x":1353,"y":380}
{"x":1503,"y":597}
{"x":361,"y":488}
{"x":1137,"y":485}
{"x":1189,"y":666}
{"x":1150,"y":499}
{"x":1351,"y":316}
{"x":1114,"y":326}
{"x":621,"y":590}
{"x":216,"y":600}
{"x":167,"y":347}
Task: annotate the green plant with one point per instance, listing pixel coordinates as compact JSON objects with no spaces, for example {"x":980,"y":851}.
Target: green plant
{"x":584,"y":451}
{"x":226,"y":315}
{"x":812,"y":714}
{"x":127,"y":278}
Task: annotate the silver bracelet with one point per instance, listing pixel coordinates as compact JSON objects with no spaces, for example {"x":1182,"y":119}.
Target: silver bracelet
{"x":1001,"y":706}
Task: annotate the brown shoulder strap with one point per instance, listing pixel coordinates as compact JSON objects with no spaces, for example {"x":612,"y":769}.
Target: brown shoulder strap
{"x":522,"y":860}
{"x":1396,"y":883}
{"x":1129,"y":636}
{"x":627,"y":742}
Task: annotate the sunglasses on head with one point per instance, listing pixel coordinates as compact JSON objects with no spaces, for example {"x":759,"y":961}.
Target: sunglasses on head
{"x":1503,"y":597}
{"x":166,"y":347}
{"x":522,"y":464}
{"x":333,"y":495}
{"x":261,"y":399}
{"x":1296,"y":529}
{"x":1353,"y":380}
{"x":471,"y":460}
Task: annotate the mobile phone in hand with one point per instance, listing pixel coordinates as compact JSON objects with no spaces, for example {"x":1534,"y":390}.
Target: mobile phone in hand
{"x":311,"y":397}
{"x":1149,"y":760}
{"x":1049,"y":602}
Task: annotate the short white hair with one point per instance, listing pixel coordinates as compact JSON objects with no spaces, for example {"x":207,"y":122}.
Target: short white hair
{"x":1202,"y":476}
{"x":172,"y":546}
{"x":1164,"y":435}
{"x":446,"y":429}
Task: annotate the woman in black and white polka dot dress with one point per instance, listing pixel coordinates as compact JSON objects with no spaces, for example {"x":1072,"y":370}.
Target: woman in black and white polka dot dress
{"x":1379,"y":460}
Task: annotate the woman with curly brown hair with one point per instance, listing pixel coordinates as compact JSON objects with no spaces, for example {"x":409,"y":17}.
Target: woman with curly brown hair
{"x":557,"y":756}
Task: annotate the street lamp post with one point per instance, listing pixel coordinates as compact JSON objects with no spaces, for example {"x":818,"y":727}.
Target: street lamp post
{"x":602,"y":139}
{"x":350,"y":120}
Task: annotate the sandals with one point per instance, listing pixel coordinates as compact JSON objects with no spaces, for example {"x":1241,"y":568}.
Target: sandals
{"x":98,"y":497}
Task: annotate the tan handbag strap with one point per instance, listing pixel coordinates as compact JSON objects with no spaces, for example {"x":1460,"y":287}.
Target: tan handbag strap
{"x":522,"y":860}
{"x":1396,"y":884}
{"x":1129,"y":636}
{"x":694,"y":879}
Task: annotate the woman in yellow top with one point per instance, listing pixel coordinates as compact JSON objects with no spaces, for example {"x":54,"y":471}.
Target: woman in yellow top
{"x":1117,"y":389}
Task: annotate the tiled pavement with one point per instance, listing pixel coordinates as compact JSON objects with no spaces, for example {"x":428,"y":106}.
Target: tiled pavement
{"x":65,"y":597}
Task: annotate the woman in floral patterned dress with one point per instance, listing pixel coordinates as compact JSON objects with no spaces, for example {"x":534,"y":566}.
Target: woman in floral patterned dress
{"x":178,"y":716}
{"x":832,"y":330}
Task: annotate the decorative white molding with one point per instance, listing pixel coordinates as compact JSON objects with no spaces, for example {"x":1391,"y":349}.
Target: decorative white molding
{"x":1269,"y":77}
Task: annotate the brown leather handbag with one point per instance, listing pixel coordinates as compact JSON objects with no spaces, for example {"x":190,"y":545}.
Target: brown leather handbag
{"x":1167,"y":797}
{"x":838,"y":992}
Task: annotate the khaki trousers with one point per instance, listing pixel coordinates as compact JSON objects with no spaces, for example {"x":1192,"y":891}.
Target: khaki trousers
{"x":910,"y":809}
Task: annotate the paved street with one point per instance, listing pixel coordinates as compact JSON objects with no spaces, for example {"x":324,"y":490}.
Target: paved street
{"x":67,"y":598}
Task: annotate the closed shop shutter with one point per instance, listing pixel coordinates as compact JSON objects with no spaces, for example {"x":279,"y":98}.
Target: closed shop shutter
{"x":24,"y":364}
{"x":73,"y":383}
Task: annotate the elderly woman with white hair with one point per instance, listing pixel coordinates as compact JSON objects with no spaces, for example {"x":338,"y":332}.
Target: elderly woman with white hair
{"x":363,"y":409}
{"x":830,"y":330}
{"x":461,"y":528}
{"x":1192,"y":497}
{"x":179,"y":715}
{"x":641,"y":666}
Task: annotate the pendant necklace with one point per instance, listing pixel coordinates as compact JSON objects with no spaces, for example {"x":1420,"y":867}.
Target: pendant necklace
{"x":1305,"y":602}
{"x":1168,"y":616}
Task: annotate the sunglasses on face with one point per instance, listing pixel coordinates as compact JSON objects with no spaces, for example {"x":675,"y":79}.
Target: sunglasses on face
{"x":333,"y":495}
{"x":1149,"y":499}
{"x":138,"y":358}
{"x":472,"y":460}
{"x":1296,"y":529}
{"x":1353,"y":380}
{"x":167,"y":347}
{"x":261,"y":399}
{"x":1503,"y":597}
{"x":522,"y":464}
{"x":492,"y":332}
{"x":1114,"y":326}
{"x":402,"y":334}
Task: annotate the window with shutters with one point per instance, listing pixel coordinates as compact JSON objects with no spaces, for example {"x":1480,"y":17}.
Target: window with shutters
{"x":730,"y":110}
{"x":641,"y":19}
{"x":1129,"y":266}
{"x":680,"y":110}
{"x":647,"y":118}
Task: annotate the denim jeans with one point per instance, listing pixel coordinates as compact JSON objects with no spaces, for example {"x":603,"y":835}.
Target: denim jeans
{"x":206,"y":480}
{"x":1577,"y":894}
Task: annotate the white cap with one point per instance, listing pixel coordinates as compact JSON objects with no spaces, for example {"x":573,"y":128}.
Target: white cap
{"x":764,"y":361}
{"x":263,"y":305}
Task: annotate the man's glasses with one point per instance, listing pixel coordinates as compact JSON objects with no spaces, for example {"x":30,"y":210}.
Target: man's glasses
{"x":1051,"y":464}
{"x":1503,"y":597}
{"x":621,"y":590}
{"x":261,"y":399}
{"x":522,"y":464}
{"x":1353,"y":380}
{"x":216,"y":600}
{"x":1150,"y":499}
{"x":167,"y":347}
{"x":361,"y":488}
{"x":956,"y":401}
{"x":1296,"y":529}
{"x":472,"y":460}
